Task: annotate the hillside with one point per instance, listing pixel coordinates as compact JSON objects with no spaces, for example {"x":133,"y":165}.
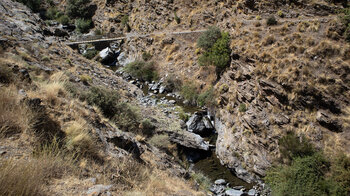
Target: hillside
{"x":261,"y":85}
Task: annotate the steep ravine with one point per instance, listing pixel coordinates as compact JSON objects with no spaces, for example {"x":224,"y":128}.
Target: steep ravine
{"x":203,"y":161}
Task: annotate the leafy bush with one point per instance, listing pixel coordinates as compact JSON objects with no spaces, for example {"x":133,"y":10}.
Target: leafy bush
{"x":206,"y":98}
{"x":291,"y":146}
{"x":79,"y":9}
{"x":83,"y":25}
{"x":207,"y":40}
{"x":125,"y":20}
{"x":90,"y":54}
{"x":242,"y":107}
{"x":104,"y":98}
{"x":216,"y":46}
{"x":127,"y":117}
{"x":32,"y":4}
{"x":202,"y":180}
{"x":142,"y":70}
{"x":305,"y":176}
{"x":340,"y":171}
{"x":189,"y":92}
{"x":147,"y":127}
{"x":64,"y":19}
{"x":52,"y":13}
{"x":271,"y":21}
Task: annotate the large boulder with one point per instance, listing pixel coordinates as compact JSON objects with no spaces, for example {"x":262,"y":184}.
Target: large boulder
{"x":108,"y":57}
{"x":189,"y":140}
{"x":200,"y":124}
{"x":326,"y":120}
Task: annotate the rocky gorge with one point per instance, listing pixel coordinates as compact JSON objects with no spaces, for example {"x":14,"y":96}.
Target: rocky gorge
{"x":175,"y":97}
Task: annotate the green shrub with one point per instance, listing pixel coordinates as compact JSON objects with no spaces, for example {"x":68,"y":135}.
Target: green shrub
{"x":34,"y":5}
{"x":189,"y":92}
{"x":177,"y":19}
{"x":206,"y":98}
{"x":217,"y":49}
{"x":207,"y":40}
{"x":127,"y":117}
{"x":83,"y":25}
{"x":147,"y":127}
{"x":125,"y":20}
{"x":52,"y":13}
{"x":79,"y":9}
{"x":203,"y":181}
{"x":146,"y":56}
{"x":64,"y":19}
{"x":291,"y":146}
{"x":172,"y":82}
{"x":90,"y":54}
{"x":242,"y":107}
{"x":142,"y":70}
{"x":271,"y":21}
{"x":305,"y":176}
{"x":340,"y":171}
{"x":104,"y":98}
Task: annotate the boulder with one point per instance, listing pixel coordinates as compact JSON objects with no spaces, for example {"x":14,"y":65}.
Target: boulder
{"x":199,"y":124}
{"x":326,"y":120}
{"x":220,"y":182}
{"x":189,"y":140}
{"x":98,"y":189}
{"x":252,"y":192}
{"x":108,"y":57}
{"x":233,"y":192}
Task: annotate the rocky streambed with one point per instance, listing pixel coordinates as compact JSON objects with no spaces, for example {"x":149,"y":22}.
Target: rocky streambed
{"x":197,"y":142}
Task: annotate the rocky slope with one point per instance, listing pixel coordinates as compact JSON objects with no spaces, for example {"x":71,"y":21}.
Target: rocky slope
{"x":291,"y":76}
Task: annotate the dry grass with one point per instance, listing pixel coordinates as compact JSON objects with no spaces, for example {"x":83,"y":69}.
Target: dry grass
{"x":161,"y":183}
{"x":15,"y":117}
{"x":53,"y":88}
{"x":29,"y":176}
{"x":78,"y":139}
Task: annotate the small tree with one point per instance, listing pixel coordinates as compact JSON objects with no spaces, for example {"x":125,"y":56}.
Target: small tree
{"x":208,"y":38}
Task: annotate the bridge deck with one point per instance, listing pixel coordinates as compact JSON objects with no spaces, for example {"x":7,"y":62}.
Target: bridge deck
{"x":130,"y":35}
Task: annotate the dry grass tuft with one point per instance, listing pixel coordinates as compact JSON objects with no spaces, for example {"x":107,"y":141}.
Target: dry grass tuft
{"x":15,"y":117}
{"x":29,"y":176}
{"x":78,"y":139}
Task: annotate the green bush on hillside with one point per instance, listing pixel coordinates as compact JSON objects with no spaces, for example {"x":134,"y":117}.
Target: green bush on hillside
{"x":216,"y":46}
{"x":78,"y":9}
{"x":271,"y":21}
{"x":83,"y":25}
{"x":104,"y":98}
{"x":189,"y":92}
{"x":142,"y":70}
{"x":291,"y":146}
{"x":207,"y":98}
{"x":309,"y":172}
{"x":305,"y":176}
{"x":208,"y":38}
